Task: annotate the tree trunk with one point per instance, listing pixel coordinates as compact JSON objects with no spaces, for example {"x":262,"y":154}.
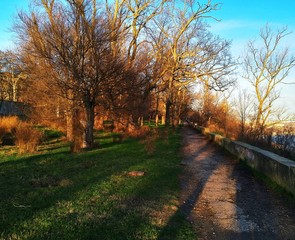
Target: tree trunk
{"x":70,"y":116}
{"x":163,"y":119}
{"x":14,"y":91}
{"x":168,"y":108}
{"x":70,"y":121}
{"x":157,"y":110}
{"x":88,"y":125}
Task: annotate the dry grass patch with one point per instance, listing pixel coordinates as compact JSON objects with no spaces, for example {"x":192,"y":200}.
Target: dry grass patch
{"x":7,"y":126}
{"x":8,"y":123}
{"x":27,"y":137}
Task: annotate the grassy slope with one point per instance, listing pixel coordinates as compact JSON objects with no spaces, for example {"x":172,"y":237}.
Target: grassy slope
{"x":58,"y":195}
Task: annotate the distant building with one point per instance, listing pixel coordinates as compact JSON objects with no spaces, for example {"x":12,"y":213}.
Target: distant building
{"x":10,"y":108}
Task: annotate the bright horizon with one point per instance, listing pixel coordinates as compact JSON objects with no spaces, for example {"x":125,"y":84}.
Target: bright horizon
{"x":240,"y":22}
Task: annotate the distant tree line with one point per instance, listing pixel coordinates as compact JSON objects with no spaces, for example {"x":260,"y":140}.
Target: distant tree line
{"x":80,"y":62}
{"x":87,"y":60}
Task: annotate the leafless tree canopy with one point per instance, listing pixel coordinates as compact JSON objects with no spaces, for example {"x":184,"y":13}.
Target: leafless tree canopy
{"x":266,"y":68}
{"x":126,"y":59}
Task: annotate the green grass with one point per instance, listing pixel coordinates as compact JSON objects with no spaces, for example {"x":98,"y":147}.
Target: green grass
{"x":58,"y":195}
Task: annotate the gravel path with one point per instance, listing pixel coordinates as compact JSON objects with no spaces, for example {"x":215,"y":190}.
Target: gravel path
{"x":223,"y":200}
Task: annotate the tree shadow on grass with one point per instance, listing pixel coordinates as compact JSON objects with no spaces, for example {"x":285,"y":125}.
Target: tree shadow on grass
{"x":82,"y":196}
{"x":30,"y":185}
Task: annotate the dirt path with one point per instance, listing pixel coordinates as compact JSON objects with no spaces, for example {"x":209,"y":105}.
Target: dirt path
{"x":224,"y":201}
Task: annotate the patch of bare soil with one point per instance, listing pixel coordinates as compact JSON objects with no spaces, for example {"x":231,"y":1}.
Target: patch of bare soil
{"x":224,"y":201}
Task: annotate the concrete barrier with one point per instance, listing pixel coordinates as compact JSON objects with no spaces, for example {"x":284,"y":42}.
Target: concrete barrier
{"x":281,"y":170}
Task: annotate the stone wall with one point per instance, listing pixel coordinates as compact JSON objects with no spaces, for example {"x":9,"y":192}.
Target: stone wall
{"x":281,"y":170}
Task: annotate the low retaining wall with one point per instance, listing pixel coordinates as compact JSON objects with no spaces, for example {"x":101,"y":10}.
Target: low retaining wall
{"x":281,"y":170}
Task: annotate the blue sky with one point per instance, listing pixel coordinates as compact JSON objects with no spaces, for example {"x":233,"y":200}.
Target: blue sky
{"x":240,"y":22}
{"x":8,"y":10}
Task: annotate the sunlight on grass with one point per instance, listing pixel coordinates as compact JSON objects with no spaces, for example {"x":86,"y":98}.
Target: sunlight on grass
{"x":59,"y":195}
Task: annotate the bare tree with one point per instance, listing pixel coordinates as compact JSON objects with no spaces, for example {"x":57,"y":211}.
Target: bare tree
{"x":117,"y":13}
{"x":70,"y":37}
{"x":169,"y":47}
{"x":128,"y":22}
{"x":140,"y":13}
{"x":121,"y":57}
{"x":48,"y":103}
{"x":190,"y":53}
{"x":12,"y":74}
{"x":244,"y":107}
{"x":266,"y":68}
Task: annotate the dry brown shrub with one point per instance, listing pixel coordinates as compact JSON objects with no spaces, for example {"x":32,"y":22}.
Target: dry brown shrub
{"x":7,"y":125}
{"x":27,"y":137}
{"x":139,"y":132}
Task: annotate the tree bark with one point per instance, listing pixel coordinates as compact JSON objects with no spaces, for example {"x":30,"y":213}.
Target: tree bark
{"x":14,"y":90}
{"x":88,"y":138}
{"x":167,"y":116}
{"x":70,"y":121}
{"x":163,"y":119}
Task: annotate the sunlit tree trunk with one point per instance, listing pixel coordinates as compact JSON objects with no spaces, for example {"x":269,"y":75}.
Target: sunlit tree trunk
{"x":157,"y":119}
